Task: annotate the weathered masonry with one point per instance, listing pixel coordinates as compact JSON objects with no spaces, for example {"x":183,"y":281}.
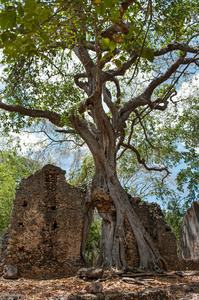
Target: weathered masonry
{"x":45,"y":232}
{"x":151,"y":216}
{"x":189,"y":233}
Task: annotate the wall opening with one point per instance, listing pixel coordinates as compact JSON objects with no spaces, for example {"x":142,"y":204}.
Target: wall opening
{"x":92,"y":248}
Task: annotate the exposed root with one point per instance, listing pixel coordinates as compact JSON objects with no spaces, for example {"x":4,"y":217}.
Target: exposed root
{"x":112,"y":249}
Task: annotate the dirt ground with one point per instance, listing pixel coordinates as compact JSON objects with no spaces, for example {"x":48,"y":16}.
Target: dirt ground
{"x":179,"y":285}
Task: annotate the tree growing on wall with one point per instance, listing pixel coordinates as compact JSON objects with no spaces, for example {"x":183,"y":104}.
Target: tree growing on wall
{"x":95,"y":69}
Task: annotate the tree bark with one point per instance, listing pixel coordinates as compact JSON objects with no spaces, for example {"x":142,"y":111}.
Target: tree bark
{"x":114,"y":206}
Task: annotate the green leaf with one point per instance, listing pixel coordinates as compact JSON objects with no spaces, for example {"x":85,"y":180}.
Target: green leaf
{"x":103,"y":9}
{"x":107,"y":55}
{"x":118,"y":63}
{"x":8,"y":18}
{"x":30,"y":5}
{"x":112,"y":46}
{"x":148,"y":54}
{"x":100,"y":9}
{"x":20,"y":10}
{"x":116,"y":15}
{"x":136,"y":47}
{"x":105,"y":43}
{"x":96,"y":2}
{"x":44,"y":37}
{"x":109,"y":3}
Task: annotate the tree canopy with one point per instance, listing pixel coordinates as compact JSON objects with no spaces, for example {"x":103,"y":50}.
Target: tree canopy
{"x":120,"y":38}
{"x":99,"y":71}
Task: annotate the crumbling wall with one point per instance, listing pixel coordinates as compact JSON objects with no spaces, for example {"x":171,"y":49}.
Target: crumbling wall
{"x":45,"y":232}
{"x":151,"y":216}
{"x":189,"y":233}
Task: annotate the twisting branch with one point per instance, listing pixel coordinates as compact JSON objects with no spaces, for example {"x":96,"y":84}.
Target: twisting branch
{"x":144,"y":129}
{"x":142,"y":160}
{"x":149,"y":8}
{"x":116,"y":81}
{"x":157,"y":81}
{"x":98,"y":73}
{"x":80,"y":84}
{"x":70,"y":131}
{"x":162,"y":103}
{"x":109,"y":103}
{"x":175,"y":46}
{"x":83,"y":55}
{"x":53,"y":117}
{"x":169,"y":93}
{"x":121,"y":140}
{"x":108,"y":75}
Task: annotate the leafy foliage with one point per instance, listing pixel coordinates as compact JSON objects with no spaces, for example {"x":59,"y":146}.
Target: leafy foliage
{"x":13,"y":168}
{"x":81,"y":170}
{"x":93,"y":241}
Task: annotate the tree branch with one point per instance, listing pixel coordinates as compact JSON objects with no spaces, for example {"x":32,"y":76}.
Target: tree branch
{"x":144,"y":129}
{"x":149,"y":9}
{"x":65,"y":131}
{"x":145,"y":97}
{"x":82,"y":53}
{"x":142,"y":160}
{"x":80,"y":84}
{"x":108,"y":75}
{"x":157,"y":81}
{"x":175,"y":46}
{"x":82,"y":128}
{"x":53,"y":117}
{"x":109,"y":103}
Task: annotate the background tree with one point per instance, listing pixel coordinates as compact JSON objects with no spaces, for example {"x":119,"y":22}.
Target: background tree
{"x":13,"y":168}
{"x":95,"y":70}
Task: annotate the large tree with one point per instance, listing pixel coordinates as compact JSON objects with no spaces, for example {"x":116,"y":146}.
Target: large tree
{"x":95,"y":69}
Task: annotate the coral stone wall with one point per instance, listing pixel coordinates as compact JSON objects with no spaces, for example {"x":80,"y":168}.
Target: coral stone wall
{"x":151,"y":216}
{"x":189,"y":233}
{"x":45,"y":232}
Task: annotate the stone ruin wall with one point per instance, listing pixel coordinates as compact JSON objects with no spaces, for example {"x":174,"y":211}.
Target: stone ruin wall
{"x":151,"y":216}
{"x":189,"y":238}
{"x":189,"y":233}
{"x":45,"y":232}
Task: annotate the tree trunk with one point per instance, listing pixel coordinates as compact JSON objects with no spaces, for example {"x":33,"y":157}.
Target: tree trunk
{"x":112,"y":202}
{"x":106,"y":193}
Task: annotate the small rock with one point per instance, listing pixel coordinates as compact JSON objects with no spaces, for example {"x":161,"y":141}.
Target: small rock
{"x":94,"y":287}
{"x":10,"y":272}
{"x":91,"y":273}
{"x":178,"y":273}
{"x":11,"y":297}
